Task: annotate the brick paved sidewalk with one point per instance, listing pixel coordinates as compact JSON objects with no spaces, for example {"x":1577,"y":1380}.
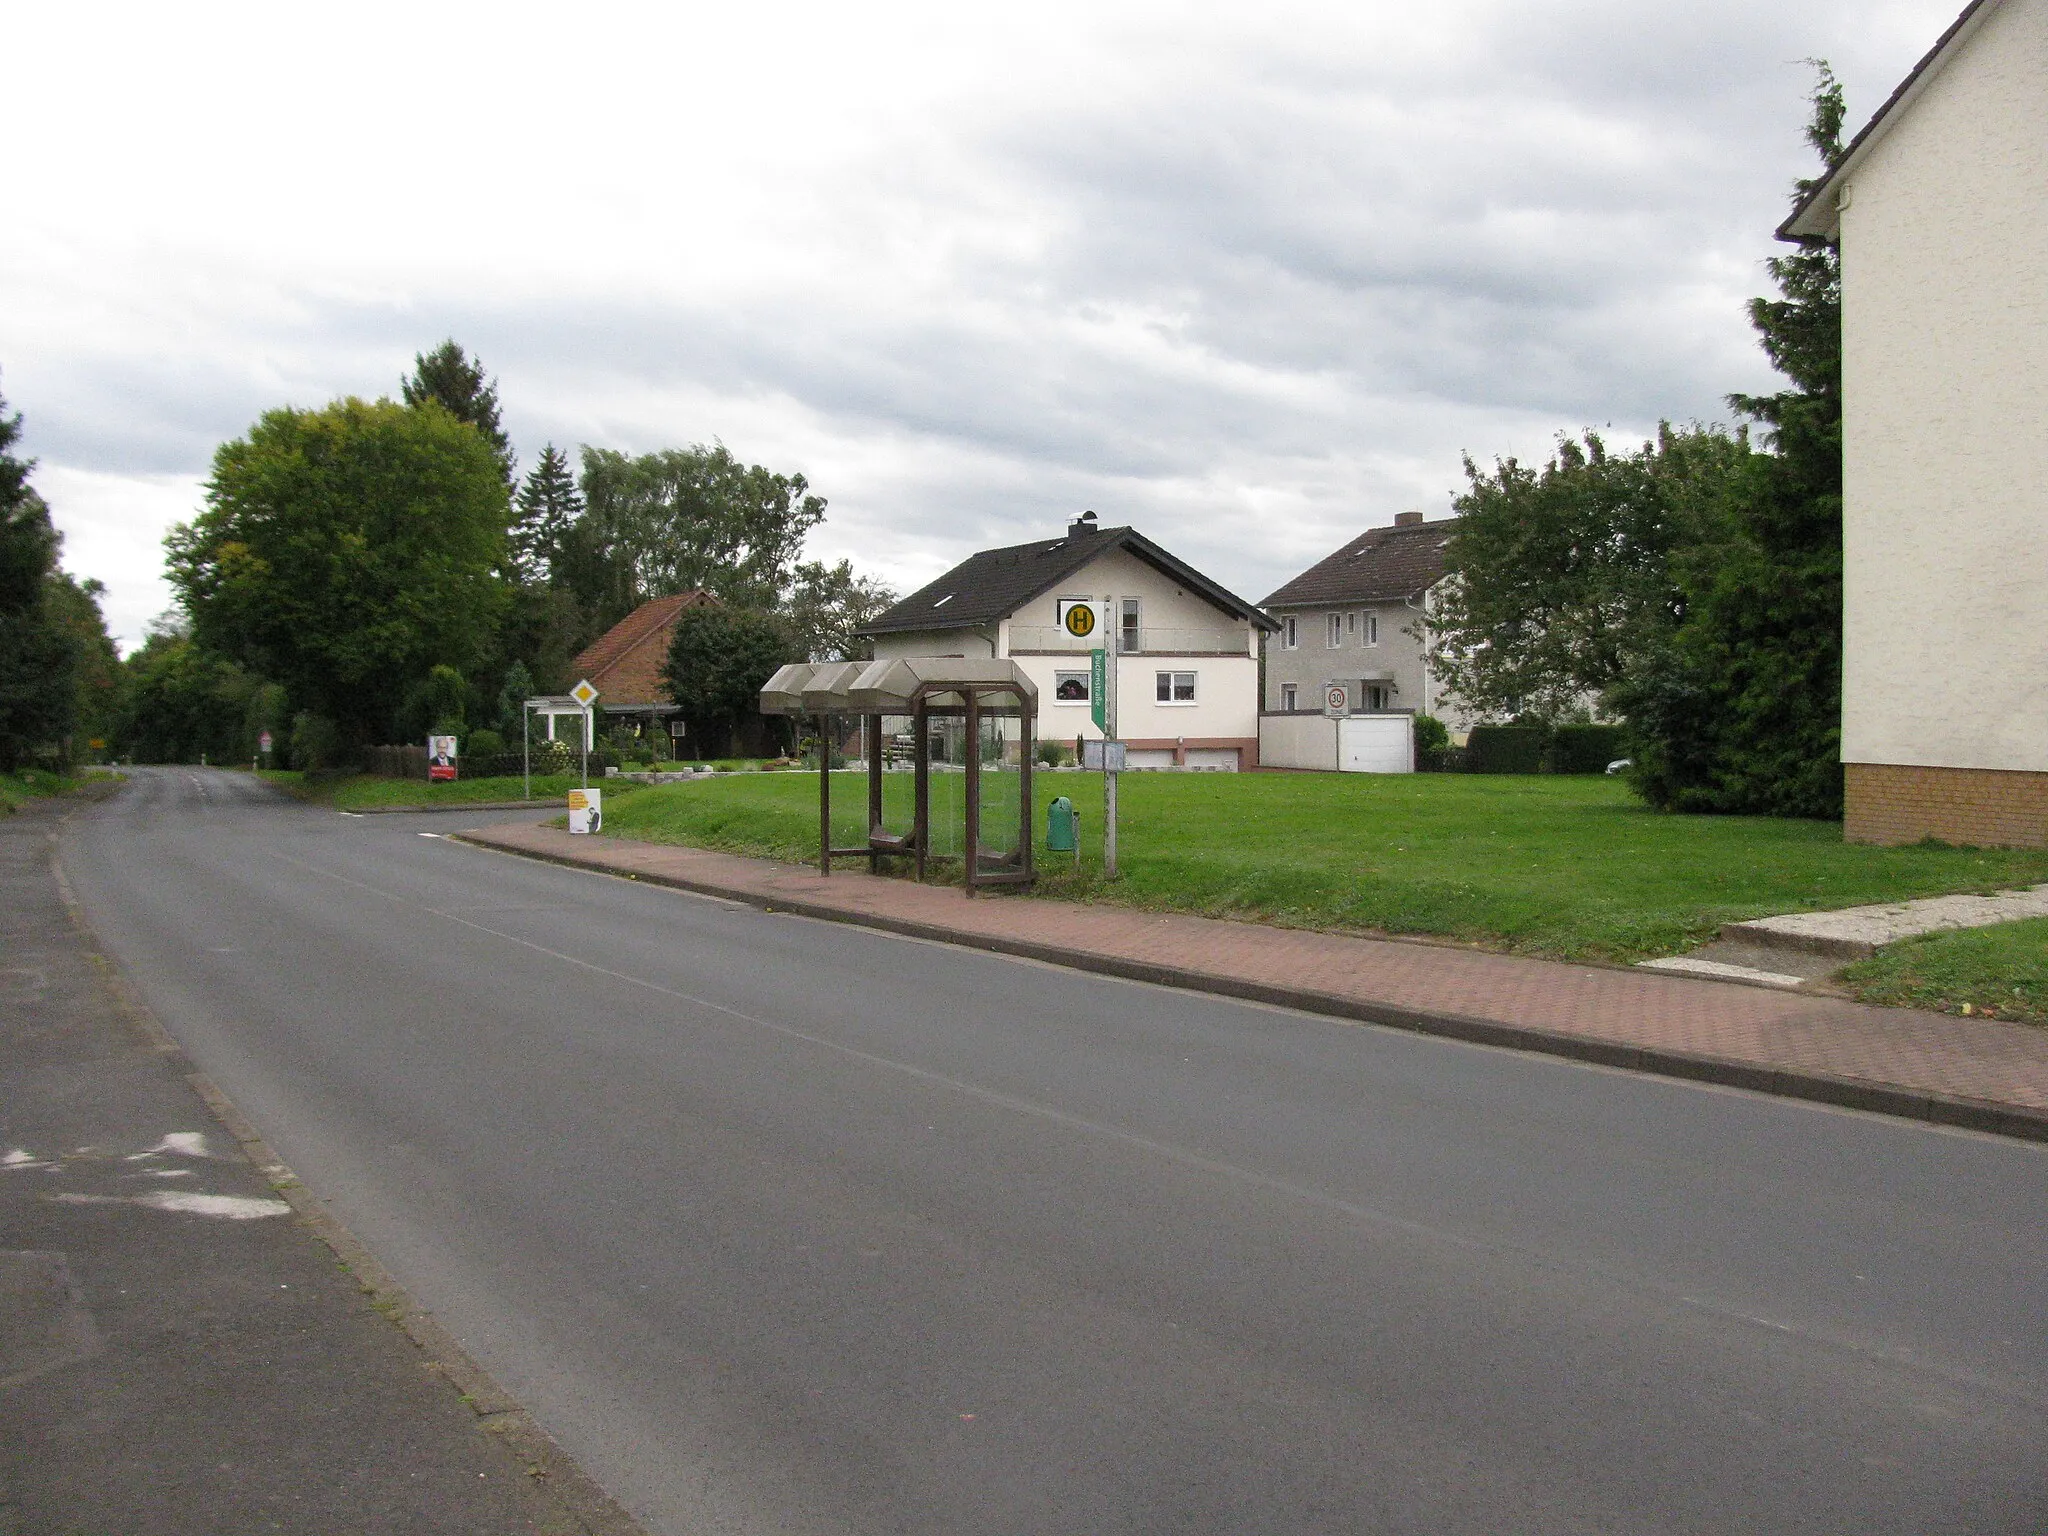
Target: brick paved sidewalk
{"x":1982,"y":1073}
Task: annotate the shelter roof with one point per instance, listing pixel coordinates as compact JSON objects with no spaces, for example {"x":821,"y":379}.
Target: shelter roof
{"x":995,"y":583}
{"x":891,"y":687}
{"x":1381,"y":565}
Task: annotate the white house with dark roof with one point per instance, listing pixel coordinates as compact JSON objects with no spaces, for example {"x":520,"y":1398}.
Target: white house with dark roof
{"x":1940,"y":205}
{"x":1186,"y":650}
{"x":1357,"y":619}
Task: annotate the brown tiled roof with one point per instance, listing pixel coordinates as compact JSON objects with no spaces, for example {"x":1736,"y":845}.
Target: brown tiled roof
{"x":1381,"y":565}
{"x":624,"y":663}
{"x":997,"y":582}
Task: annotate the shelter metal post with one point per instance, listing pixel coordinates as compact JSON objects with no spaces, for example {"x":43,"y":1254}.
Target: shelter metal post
{"x":921,"y":785}
{"x":971,"y":833}
{"x":824,"y":801}
{"x":1028,"y":831}
{"x":873,"y":724}
{"x":526,"y":747}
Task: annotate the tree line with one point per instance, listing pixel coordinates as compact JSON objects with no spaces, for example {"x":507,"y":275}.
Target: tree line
{"x":1691,"y":587}
{"x":369,"y":571}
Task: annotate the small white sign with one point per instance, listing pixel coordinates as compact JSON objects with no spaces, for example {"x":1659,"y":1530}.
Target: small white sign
{"x":586,"y":810}
{"x":584,"y":694}
{"x":262,"y":742}
{"x":1103,"y":756}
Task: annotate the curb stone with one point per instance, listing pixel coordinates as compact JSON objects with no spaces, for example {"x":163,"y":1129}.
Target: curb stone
{"x":2012,"y":1120}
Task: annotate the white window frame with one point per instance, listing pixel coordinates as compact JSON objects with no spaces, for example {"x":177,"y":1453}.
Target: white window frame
{"x":1172,"y":682}
{"x":1290,"y":633}
{"x":1087,"y":687}
{"x":1287,"y":697}
{"x":1334,"y":633}
{"x":1130,"y":622}
{"x":1371,"y":632}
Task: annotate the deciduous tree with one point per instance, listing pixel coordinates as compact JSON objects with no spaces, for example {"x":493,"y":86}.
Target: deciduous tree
{"x":39,"y":644}
{"x":717,"y":662}
{"x":344,"y":552}
{"x":827,"y":603}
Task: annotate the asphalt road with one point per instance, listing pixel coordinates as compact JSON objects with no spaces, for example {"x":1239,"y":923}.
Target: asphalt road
{"x":787,"y":1226}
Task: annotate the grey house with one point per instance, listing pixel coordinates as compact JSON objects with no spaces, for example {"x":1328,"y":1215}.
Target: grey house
{"x":1357,"y":619}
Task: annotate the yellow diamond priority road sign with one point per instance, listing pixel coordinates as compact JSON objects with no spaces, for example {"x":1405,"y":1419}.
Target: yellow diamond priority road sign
{"x":584,"y":694}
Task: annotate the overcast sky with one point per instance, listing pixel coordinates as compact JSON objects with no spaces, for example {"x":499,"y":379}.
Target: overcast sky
{"x":1250,"y":277}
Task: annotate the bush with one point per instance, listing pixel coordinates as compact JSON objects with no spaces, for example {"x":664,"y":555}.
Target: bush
{"x":484,"y":743}
{"x":1441,"y":760}
{"x":1586,"y":748}
{"x":316,"y":743}
{"x":1431,"y":735}
{"x":1052,"y":754}
{"x":1505,"y":749}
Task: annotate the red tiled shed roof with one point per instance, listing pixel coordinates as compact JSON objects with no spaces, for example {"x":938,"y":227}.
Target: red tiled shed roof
{"x":624,"y":663}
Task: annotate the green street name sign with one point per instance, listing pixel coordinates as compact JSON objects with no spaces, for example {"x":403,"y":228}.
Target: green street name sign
{"x":1098,"y":688}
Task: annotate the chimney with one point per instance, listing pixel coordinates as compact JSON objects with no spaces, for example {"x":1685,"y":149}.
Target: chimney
{"x":1407,"y":519}
{"x":1085,"y":523}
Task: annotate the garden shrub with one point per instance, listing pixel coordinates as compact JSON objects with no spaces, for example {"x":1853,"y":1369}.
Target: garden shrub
{"x":1431,"y":734}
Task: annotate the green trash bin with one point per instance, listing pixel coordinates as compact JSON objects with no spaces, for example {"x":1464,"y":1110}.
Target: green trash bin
{"x":1059,"y":826}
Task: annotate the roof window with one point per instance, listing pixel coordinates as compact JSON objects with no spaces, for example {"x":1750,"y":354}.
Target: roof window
{"x":943,"y":601}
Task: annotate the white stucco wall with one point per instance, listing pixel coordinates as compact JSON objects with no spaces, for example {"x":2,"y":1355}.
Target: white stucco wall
{"x":1945,"y":364}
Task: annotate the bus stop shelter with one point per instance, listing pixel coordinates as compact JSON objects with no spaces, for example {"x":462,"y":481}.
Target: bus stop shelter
{"x":976,"y":691}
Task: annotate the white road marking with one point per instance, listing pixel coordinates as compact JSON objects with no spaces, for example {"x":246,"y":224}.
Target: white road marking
{"x":175,"y":1144}
{"x":223,"y":1207}
{"x":16,"y":1157}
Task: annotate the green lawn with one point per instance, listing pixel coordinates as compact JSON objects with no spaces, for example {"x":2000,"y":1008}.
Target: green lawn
{"x":1571,"y":867}
{"x":360,"y":792}
{"x":2001,"y":971}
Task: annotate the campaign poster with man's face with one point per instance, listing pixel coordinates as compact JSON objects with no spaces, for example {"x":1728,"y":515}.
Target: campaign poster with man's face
{"x":440,"y":758}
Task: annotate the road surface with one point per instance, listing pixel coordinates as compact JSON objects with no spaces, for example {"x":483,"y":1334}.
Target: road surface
{"x":781,"y":1225}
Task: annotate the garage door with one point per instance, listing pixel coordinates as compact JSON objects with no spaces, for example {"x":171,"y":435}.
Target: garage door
{"x":1375,"y":744}
{"x":1149,"y":757}
{"x":1213,"y":759}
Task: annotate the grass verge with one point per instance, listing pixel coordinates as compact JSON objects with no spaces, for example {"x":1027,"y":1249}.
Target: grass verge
{"x":26,"y":784}
{"x":365,"y":792}
{"x":1574,"y":868}
{"x":2001,"y":972}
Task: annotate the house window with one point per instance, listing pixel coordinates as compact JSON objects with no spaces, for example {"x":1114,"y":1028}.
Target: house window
{"x":1131,"y":633}
{"x":1375,"y":696}
{"x":1290,"y":633}
{"x":1336,"y":630}
{"x":1175,"y":687}
{"x":1370,"y":632}
{"x":1070,"y":688}
{"x":1287,"y":697}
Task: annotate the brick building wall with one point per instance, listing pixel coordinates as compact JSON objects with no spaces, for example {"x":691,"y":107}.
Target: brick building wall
{"x":1982,"y":807}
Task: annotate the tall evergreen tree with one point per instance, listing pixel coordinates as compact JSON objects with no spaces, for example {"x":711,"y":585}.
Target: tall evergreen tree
{"x":38,"y":648}
{"x":548,"y":505}
{"x":1742,"y":712}
{"x":451,"y":376}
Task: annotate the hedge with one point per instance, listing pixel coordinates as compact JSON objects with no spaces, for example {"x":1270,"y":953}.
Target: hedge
{"x":1586,"y":748}
{"x":1505,"y":749}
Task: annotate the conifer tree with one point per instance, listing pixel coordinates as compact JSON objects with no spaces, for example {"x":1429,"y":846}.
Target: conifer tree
{"x":1742,"y":712}
{"x":548,"y":505}
{"x":38,"y":653}
{"x":457,"y":381}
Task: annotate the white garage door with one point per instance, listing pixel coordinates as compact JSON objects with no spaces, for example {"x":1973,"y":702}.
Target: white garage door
{"x":1149,"y":757}
{"x":1375,"y":744}
{"x":1213,"y":759}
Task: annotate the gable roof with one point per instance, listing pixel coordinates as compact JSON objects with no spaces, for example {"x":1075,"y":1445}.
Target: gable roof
{"x":1819,"y":214}
{"x":1381,"y":565}
{"x":624,"y":663}
{"x":994,"y":584}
